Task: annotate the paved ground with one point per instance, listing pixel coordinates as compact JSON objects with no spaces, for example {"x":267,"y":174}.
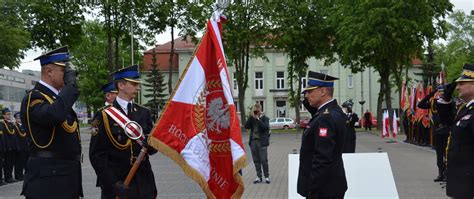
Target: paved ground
{"x":414,"y":169}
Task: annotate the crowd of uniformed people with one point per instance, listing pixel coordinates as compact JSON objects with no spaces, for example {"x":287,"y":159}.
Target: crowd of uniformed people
{"x":14,"y":150}
{"x":45,"y":149}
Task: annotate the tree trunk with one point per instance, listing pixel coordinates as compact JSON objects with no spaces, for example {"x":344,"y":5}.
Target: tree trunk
{"x":109,"y":53}
{"x":117,"y":53}
{"x":379,"y":104}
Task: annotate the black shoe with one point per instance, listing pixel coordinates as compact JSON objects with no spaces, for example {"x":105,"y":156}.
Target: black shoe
{"x":439,"y":179}
{"x":257,"y":180}
{"x":19,"y":179}
{"x":10,"y":181}
{"x":2,"y":183}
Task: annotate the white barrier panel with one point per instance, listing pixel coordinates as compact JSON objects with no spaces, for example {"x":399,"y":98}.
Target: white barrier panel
{"x":369,"y":175}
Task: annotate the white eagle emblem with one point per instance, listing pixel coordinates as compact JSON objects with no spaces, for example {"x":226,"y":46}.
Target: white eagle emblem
{"x":218,"y":116}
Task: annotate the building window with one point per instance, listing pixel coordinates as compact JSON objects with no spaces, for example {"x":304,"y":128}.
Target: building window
{"x":350,"y":83}
{"x":237,"y":106}
{"x":235,"y":81}
{"x":303,"y":83}
{"x":258,"y":80}
{"x":280,"y":84}
{"x":261,"y":104}
{"x":324,"y":71}
{"x":281,"y":108}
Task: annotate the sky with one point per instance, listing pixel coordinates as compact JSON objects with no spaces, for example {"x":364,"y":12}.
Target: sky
{"x":28,"y":63}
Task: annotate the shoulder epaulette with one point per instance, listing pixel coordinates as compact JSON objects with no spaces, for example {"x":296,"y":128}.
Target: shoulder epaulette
{"x":104,"y":107}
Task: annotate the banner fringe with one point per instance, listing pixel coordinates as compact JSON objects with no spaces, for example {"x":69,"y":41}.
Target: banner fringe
{"x":189,"y":171}
{"x":238,"y":165}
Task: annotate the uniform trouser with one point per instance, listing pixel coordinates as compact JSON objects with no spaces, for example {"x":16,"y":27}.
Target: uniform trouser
{"x":440,"y":142}
{"x":350,"y":146}
{"x":20,"y":162}
{"x":316,"y":196}
{"x":259,"y":156}
{"x":368,"y":125}
{"x":9,"y":162}
{"x":2,"y":154}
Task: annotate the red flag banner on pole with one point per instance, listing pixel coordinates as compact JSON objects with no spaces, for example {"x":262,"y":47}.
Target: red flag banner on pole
{"x":199,"y":128}
{"x":395,"y":124}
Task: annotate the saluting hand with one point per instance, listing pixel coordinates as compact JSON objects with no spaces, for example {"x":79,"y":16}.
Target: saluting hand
{"x":70,"y":75}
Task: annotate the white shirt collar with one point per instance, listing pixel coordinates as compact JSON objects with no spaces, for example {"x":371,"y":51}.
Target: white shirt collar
{"x":123,"y":103}
{"x":55,"y":91}
{"x":319,"y":108}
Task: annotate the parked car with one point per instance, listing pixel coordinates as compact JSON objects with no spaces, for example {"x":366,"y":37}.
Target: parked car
{"x":304,"y":122}
{"x":282,"y":123}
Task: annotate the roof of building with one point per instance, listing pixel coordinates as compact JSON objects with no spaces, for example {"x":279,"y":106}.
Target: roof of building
{"x":180,"y":44}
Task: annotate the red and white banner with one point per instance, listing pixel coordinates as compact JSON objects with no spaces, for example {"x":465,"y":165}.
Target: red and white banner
{"x":385,"y":125}
{"x":199,"y":128}
{"x":394,"y":124}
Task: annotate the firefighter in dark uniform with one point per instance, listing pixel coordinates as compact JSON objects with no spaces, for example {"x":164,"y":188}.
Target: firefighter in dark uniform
{"x":352,"y":118}
{"x":460,"y":163}
{"x":54,"y":165}
{"x":440,"y":130}
{"x":321,"y":172}
{"x":23,"y":148}
{"x":2,"y":156}
{"x":110,"y":93}
{"x":10,"y":134}
{"x":112,"y":153}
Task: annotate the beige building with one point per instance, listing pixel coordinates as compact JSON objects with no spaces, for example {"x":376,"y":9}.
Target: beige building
{"x":268,"y":80}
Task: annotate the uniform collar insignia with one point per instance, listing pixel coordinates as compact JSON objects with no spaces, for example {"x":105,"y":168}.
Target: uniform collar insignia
{"x":326,"y":111}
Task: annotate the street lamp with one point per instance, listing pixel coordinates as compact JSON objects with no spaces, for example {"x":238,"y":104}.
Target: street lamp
{"x":362,"y":102}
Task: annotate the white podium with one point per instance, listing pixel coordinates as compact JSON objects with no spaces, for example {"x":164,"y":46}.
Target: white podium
{"x":369,"y":175}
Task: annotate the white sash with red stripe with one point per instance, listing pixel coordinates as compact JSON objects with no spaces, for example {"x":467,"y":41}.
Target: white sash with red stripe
{"x":122,"y":120}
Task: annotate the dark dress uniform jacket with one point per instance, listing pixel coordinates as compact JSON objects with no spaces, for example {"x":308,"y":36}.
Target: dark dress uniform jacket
{"x":111,"y":156}
{"x":460,"y":168}
{"x":350,"y":145}
{"x":10,"y":134}
{"x":22,"y":137}
{"x":321,"y":169}
{"x":54,"y":167}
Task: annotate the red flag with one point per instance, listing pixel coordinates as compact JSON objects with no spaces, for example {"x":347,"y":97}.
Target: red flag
{"x":404,"y":101}
{"x":412,"y":104}
{"x":199,"y":128}
{"x":385,"y":124}
{"x":395,"y":124}
{"x":419,"y":96}
{"x":426,"y":118}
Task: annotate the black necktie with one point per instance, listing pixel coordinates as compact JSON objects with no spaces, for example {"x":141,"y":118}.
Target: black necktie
{"x":129,"y":108}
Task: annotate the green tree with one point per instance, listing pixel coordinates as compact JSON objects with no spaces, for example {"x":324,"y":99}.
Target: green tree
{"x":14,"y":39}
{"x":302,"y":31}
{"x":187,"y":16}
{"x":155,"y":87}
{"x":459,"y":48}
{"x":244,"y":36}
{"x":385,"y":34}
{"x":125,"y":23}
{"x":89,"y":59}
{"x":55,"y":23}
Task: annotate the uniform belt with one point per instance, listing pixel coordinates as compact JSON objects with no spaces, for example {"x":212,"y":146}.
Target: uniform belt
{"x":55,"y":155}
